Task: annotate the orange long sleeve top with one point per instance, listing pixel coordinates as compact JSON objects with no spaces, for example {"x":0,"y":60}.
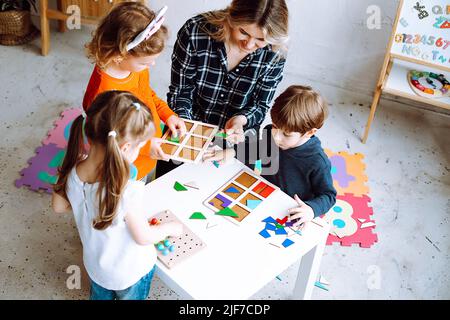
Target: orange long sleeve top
{"x":138,"y":83}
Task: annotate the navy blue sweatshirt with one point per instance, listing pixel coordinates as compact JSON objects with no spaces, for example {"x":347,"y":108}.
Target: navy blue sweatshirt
{"x":304,"y":170}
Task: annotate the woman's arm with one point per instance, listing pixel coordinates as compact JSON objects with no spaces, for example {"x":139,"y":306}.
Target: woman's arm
{"x":262,"y":95}
{"x":184,"y":70}
{"x":59,"y":204}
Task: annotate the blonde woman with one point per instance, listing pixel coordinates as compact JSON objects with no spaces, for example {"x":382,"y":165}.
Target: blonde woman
{"x":227,"y":64}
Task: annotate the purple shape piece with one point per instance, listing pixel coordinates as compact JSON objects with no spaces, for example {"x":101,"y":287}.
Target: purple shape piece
{"x":225,"y":201}
{"x":289,"y":223}
{"x":341,"y":175}
{"x":39,"y":163}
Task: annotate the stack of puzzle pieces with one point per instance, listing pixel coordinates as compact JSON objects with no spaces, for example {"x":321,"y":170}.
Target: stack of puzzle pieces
{"x":350,"y":218}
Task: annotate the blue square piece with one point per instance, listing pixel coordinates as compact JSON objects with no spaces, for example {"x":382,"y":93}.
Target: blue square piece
{"x":286,"y":243}
{"x":271,"y":227}
{"x":269,"y":220}
{"x":280,"y":231}
{"x":265,"y":234}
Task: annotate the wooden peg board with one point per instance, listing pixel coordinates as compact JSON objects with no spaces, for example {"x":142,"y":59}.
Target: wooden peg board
{"x":185,"y":246}
{"x":249,"y":186}
{"x":193,"y":144}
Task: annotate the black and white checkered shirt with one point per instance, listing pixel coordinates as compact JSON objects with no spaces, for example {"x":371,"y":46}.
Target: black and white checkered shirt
{"x":203,"y":89}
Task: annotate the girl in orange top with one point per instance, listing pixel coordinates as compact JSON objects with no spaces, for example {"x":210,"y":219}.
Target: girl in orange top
{"x":122,"y":64}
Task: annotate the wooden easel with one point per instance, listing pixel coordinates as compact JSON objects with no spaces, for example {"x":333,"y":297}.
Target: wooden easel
{"x":384,"y":76}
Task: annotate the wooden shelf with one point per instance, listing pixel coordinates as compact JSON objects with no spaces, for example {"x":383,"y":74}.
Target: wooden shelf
{"x":397,"y":83}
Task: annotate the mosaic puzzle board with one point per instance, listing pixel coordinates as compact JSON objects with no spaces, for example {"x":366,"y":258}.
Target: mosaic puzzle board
{"x":191,"y":147}
{"x":242,"y":194}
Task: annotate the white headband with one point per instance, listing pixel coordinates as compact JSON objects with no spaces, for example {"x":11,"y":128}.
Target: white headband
{"x":149,"y":30}
{"x":137,"y":106}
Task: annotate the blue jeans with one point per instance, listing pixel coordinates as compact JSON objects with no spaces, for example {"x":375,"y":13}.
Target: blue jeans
{"x":138,"y":291}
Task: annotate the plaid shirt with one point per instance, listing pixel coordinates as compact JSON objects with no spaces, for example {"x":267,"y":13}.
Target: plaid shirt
{"x":203,"y":89}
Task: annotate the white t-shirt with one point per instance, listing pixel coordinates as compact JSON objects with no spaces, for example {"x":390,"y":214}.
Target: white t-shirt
{"x":112,"y":258}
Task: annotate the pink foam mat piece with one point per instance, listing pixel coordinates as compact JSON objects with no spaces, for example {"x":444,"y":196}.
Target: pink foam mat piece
{"x":60,"y":133}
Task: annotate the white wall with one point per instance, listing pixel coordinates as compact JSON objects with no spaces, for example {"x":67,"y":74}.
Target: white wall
{"x":330,"y":42}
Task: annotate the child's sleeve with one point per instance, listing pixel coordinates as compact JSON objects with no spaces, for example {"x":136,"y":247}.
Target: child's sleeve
{"x":322,"y":187}
{"x":162,"y":108}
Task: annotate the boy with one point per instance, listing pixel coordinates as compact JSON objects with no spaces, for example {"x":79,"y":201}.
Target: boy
{"x":291,"y":153}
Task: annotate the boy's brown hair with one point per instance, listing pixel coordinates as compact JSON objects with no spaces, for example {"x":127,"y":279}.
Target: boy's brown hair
{"x":117,"y":29}
{"x":299,"y":109}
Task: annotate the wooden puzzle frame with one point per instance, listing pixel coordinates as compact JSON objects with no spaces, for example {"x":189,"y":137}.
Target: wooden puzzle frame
{"x":193,"y":144}
{"x":185,"y":246}
{"x":249,"y":186}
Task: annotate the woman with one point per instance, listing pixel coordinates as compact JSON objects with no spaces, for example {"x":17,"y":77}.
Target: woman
{"x":227,"y":64}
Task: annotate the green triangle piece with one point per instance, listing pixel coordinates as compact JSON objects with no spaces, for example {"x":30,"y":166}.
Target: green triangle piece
{"x":227,"y":212}
{"x":179,"y":187}
{"x":197,"y":215}
{"x":279,"y":226}
{"x":174,"y":139}
{"x":222,"y":135}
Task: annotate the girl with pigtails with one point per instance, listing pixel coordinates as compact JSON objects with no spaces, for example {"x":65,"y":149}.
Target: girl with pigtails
{"x":118,"y":251}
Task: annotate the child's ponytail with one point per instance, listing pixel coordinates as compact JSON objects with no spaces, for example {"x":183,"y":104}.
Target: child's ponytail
{"x":74,"y":154}
{"x":116,"y":172}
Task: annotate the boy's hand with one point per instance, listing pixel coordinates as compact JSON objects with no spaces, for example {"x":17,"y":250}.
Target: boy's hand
{"x":155,"y":150}
{"x":303,"y":213}
{"x":234,"y":128}
{"x":221,"y":156}
{"x":176,"y":125}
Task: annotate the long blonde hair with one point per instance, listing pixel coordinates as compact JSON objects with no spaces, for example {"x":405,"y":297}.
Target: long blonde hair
{"x":110,"y":111}
{"x":117,"y":29}
{"x":272,"y":16}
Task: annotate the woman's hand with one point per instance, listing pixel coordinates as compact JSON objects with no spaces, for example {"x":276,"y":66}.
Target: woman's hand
{"x":234,"y":128}
{"x":176,"y":126}
{"x":155,"y":150}
{"x":221,"y":156}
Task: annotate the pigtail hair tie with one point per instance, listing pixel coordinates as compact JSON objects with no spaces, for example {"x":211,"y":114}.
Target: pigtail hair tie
{"x":112,"y":133}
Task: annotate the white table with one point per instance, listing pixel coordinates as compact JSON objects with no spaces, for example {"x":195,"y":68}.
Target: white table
{"x":237,"y":261}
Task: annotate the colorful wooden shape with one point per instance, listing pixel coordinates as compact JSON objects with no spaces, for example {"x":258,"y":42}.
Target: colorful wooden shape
{"x":282,"y":221}
{"x":265,"y":234}
{"x":179,"y":187}
{"x":269,"y":220}
{"x":287,"y":242}
{"x":197,"y":215}
{"x":225,"y":201}
{"x":280,"y":231}
{"x":252,"y":204}
{"x":227,"y":212}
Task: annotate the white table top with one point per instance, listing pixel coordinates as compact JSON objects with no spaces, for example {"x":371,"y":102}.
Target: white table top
{"x":237,"y":261}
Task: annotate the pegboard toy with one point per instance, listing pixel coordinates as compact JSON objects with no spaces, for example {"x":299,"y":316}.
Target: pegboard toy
{"x":346,"y":226}
{"x":190,"y":147}
{"x":42,"y":170}
{"x":240,"y":195}
{"x":183,"y":247}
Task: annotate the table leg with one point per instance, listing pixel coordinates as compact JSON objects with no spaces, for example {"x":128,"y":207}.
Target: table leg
{"x":45,"y":28}
{"x":308,"y":271}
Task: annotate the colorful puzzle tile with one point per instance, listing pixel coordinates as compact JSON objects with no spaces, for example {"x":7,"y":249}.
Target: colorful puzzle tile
{"x":197,"y":215}
{"x":225,"y":201}
{"x":232,"y":190}
{"x":348,"y":172}
{"x":179,"y":187}
{"x":343,"y":220}
{"x":280,"y":231}
{"x":227,"y":212}
{"x":59,"y":135}
{"x":287,"y":242}
{"x":42,"y":169}
{"x":265,"y":234}
{"x":252,"y":204}
{"x":269,"y":220}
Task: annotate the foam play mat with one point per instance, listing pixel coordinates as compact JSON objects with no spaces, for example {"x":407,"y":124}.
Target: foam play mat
{"x":351,"y":217}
